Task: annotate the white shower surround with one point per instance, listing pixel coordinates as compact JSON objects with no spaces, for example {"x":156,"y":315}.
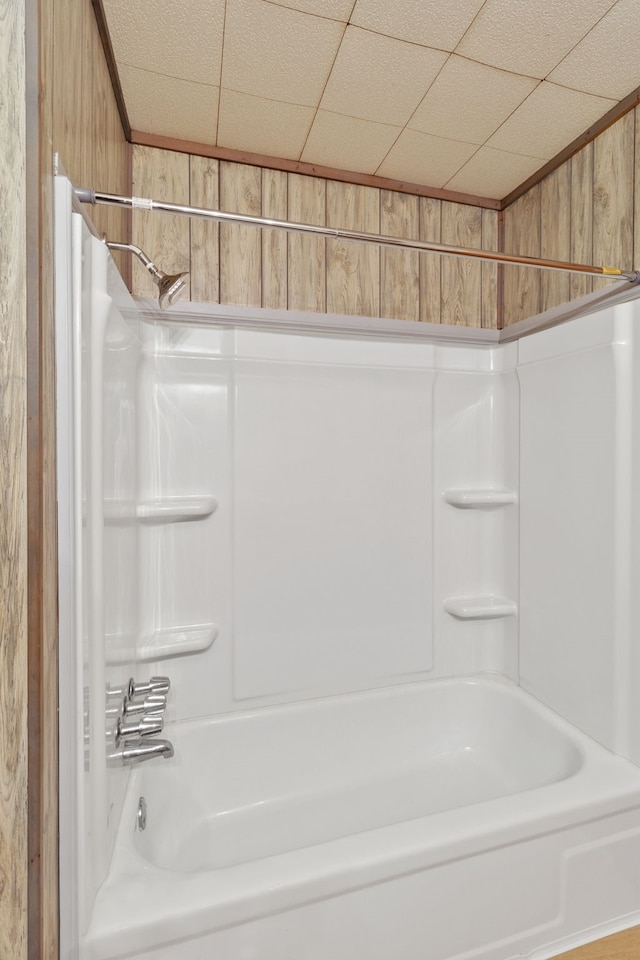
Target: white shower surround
{"x":446,"y":446}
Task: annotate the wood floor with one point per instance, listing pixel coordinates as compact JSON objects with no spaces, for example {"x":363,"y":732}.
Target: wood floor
{"x":621,"y":946}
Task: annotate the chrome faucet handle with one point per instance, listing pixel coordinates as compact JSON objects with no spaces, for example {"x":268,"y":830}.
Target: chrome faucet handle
{"x":153,"y":703}
{"x":144,"y":726}
{"x":153,"y":685}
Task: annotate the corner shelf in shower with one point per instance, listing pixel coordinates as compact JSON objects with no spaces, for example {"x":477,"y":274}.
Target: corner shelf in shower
{"x":481,"y":499}
{"x":175,"y":509}
{"x":480,"y":608}
{"x":176,"y":642}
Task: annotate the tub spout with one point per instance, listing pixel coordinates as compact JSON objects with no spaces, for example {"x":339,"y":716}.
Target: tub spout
{"x":137,"y":751}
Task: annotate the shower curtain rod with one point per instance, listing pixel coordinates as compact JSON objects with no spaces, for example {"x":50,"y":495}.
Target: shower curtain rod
{"x":87,"y":195}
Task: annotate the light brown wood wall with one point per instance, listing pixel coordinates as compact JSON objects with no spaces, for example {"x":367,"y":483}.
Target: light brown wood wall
{"x":71,"y":109}
{"x":587,"y":211}
{"x":13,"y":487}
{"x":266,"y":268}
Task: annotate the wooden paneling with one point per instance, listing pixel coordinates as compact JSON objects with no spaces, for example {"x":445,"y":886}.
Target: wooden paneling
{"x":307,"y":254}
{"x":461,"y":278}
{"x":13,"y":488}
{"x":613,"y":181}
{"x":353,"y":269}
{"x":399,"y":269}
{"x":621,"y":946}
{"x":205,"y":235}
{"x":274,"y":242}
{"x":165,"y":239}
{"x":522,"y":236}
{"x":555,"y":234}
{"x":430,"y":263}
{"x":240,"y":246}
{"x":586,"y":211}
{"x":581,"y":218}
{"x":244,"y":265}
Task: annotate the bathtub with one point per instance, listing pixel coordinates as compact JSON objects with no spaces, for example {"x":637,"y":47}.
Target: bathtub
{"x":432,"y":821}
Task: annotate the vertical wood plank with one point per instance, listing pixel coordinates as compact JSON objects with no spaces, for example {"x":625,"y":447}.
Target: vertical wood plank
{"x":399,"y":269}
{"x":489,"y":271}
{"x":274,"y":242}
{"x":461,"y":278}
{"x":205,"y":234}
{"x":581,"y":218}
{"x":13,"y":466}
{"x":636,"y":192}
{"x":353,"y":270}
{"x":555,"y":234}
{"x":307,"y":255}
{"x":522,"y":236}
{"x":240,"y":246}
{"x":613,"y":181}
{"x":430,"y":263}
{"x":162,"y":175}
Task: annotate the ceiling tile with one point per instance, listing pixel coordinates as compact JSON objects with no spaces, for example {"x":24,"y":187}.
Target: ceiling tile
{"x":338,"y":141}
{"x":421,"y":158}
{"x":529,"y":38}
{"x":548,"y":120}
{"x":468,"y":101}
{"x":172,"y":38}
{"x":379,"y":79}
{"x":493,"y":173}
{"x":262,"y":126}
{"x":169,"y":107}
{"x":606,"y":61}
{"x":278,"y":53}
{"x":431,"y":23}
{"x":332,"y":9}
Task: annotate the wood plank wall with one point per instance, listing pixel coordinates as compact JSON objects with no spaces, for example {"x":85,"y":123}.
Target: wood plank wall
{"x":71,"y":109}
{"x":243,"y":265}
{"x":13,"y":487}
{"x":588,"y":211}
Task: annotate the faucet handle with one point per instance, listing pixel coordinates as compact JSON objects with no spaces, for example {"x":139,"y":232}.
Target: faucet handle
{"x":144,"y":726}
{"x":153,"y":685}
{"x":152,"y":703}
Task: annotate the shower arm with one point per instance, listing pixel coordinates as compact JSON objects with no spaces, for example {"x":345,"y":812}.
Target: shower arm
{"x":87,"y":195}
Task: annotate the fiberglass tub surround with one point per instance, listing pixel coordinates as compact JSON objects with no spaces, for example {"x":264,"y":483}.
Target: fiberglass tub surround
{"x":349,"y":558}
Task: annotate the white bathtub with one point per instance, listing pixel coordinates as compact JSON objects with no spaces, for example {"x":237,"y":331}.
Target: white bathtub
{"x":426,"y":822}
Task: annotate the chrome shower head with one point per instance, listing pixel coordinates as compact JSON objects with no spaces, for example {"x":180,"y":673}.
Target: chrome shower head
{"x":171,"y":286}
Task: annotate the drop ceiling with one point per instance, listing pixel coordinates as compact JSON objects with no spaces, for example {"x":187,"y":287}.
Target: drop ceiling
{"x":472,"y":96}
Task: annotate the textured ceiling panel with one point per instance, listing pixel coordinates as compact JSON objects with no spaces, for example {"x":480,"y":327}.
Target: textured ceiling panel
{"x":492,"y":173}
{"x":171,"y":38}
{"x":357,"y":87}
{"x":339,"y":141}
{"x":606,"y":61}
{"x":529,"y":37}
{"x":278,"y":53}
{"x":333,"y":9}
{"x":263,"y":126}
{"x":431,"y":23}
{"x":490,"y":97}
{"x":421,"y":158}
{"x":547,"y":120}
{"x":170,"y":107}
{"x":474,"y":95}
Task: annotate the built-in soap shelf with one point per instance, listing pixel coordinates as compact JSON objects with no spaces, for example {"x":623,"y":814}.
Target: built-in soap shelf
{"x":176,"y":642}
{"x":161,"y":644}
{"x":175,"y":509}
{"x":480,"y":499}
{"x":481,"y":608}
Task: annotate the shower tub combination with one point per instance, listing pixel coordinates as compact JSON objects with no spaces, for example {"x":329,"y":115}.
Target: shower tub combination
{"x":445,"y":819}
{"x":402,"y":706}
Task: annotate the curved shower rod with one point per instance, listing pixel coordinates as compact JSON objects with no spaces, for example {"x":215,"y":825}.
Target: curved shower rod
{"x":87,"y":195}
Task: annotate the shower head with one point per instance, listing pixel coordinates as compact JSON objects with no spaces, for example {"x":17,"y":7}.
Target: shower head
{"x":171,"y":286}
